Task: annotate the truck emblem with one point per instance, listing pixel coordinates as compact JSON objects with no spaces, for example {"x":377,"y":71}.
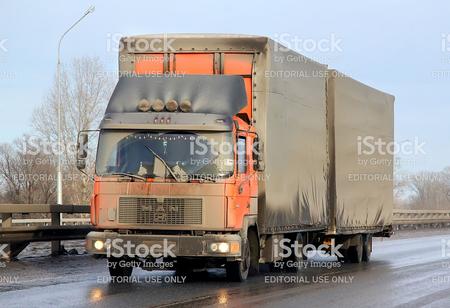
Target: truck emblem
{"x":160,"y":217}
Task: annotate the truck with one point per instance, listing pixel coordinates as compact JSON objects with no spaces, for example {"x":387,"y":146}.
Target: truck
{"x":223,"y":150}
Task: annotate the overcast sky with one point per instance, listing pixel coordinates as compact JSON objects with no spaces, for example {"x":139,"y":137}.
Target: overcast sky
{"x":397,"y":46}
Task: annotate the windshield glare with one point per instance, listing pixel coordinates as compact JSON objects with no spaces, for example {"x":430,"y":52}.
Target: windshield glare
{"x":200,"y":155}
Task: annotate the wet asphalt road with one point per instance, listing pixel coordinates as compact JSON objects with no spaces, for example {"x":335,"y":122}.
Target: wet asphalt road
{"x":409,"y":272}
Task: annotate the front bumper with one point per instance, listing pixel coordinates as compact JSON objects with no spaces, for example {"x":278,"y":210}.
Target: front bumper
{"x":156,"y":246}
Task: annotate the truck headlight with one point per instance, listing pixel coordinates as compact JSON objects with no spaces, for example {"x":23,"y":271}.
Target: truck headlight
{"x":99,"y":245}
{"x":220,"y":247}
{"x":224,"y":247}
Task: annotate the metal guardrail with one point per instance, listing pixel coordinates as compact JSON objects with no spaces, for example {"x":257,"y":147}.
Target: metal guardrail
{"x":18,"y":237}
{"x":417,"y":217}
{"x":48,"y":221}
{"x":43,"y":208}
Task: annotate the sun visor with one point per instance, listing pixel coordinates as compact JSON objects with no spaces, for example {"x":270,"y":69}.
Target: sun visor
{"x":217,"y":94}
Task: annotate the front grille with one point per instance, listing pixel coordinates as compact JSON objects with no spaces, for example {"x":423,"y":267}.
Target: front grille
{"x":160,"y":211}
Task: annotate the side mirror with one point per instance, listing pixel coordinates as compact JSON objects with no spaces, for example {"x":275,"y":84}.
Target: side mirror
{"x":81,"y":164}
{"x":260,"y":166}
{"x":82,"y":145}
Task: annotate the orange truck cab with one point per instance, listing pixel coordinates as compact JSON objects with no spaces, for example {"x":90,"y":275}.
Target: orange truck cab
{"x":177,"y":161}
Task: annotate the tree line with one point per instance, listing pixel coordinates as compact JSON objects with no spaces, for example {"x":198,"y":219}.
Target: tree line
{"x":429,"y":190}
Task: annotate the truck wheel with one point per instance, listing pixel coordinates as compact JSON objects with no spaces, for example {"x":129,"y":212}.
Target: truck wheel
{"x":355,"y":253}
{"x":273,"y":269}
{"x":367,"y":247}
{"x":238,"y":270}
{"x":344,"y":253}
{"x":254,"y":252}
{"x":117,"y":269}
{"x":294,"y":258}
{"x":183,"y":267}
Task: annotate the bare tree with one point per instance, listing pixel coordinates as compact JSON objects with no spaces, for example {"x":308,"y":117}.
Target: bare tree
{"x":85,"y":89}
{"x":430,"y":190}
{"x":401,"y":191}
{"x":25,"y":177}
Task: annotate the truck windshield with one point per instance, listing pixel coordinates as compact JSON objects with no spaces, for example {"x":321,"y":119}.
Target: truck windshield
{"x":197,"y":155}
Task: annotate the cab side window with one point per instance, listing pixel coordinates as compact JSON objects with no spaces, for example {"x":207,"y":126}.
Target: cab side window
{"x":241,"y":155}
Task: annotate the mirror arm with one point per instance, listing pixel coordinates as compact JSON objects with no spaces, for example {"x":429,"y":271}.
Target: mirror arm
{"x":90,"y":177}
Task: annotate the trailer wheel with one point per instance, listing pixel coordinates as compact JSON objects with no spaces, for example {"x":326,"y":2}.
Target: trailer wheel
{"x":367,"y":247}
{"x":117,"y":269}
{"x":355,"y":253}
{"x":297,"y":259}
{"x":238,"y":270}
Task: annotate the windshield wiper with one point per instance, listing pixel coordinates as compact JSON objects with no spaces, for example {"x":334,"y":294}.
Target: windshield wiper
{"x":134,"y":176}
{"x":177,"y":178}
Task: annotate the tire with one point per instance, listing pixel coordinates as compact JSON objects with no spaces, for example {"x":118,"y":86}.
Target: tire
{"x":118,"y":271}
{"x":355,"y":253}
{"x":183,"y":267}
{"x":294,"y":258}
{"x":367,"y":247}
{"x":254,"y":252}
{"x":273,"y":269}
{"x":344,"y":253}
{"x":238,"y":270}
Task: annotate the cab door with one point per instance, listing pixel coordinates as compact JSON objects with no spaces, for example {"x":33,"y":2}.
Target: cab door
{"x":239,"y":204}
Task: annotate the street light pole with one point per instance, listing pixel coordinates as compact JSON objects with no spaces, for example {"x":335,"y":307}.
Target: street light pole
{"x":59,"y":195}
